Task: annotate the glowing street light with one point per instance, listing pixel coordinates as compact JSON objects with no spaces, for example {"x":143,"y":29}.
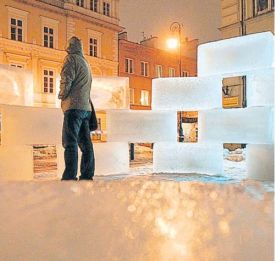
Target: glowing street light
{"x":172,"y":43}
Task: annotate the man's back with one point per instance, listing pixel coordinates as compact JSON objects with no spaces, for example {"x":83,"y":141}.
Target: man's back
{"x":76,"y":80}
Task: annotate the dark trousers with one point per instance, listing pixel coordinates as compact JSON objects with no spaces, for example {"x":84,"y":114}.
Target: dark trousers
{"x":76,"y":133}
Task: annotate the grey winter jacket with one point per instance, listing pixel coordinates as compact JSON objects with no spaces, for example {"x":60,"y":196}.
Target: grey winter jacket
{"x":76,"y":79}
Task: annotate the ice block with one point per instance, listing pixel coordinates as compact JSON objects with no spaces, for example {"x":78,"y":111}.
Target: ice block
{"x":244,"y":53}
{"x":173,"y":157}
{"x":23,"y":125}
{"x":110,"y":93}
{"x":260,"y":161}
{"x":16,"y":86}
{"x":111,"y":158}
{"x":141,"y":126}
{"x":249,"y":125}
{"x":16,"y":162}
{"x":260,"y":88}
{"x":187,"y":93}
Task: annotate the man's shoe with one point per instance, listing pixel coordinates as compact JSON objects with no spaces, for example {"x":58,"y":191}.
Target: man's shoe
{"x":82,"y":178}
{"x":67,"y":179}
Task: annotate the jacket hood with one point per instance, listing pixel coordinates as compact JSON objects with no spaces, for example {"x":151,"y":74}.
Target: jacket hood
{"x":75,"y":46}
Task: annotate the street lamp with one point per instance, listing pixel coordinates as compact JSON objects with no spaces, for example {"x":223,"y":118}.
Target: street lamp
{"x":173,"y":44}
{"x":176,"y":43}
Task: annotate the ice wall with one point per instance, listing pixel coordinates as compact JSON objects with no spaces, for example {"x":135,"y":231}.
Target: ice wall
{"x":251,"y":56}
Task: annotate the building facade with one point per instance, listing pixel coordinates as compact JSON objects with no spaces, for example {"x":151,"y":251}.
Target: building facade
{"x":241,"y":17}
{"x":33,"y":36}
{"x":142,"y":62}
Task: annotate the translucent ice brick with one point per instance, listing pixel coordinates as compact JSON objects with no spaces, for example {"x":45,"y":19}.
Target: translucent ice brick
{"x":260,"y":88}
{"x":30,"y":125}
{"x":111,"y":158}
{"x":175,"y":157}
{"x":16,"y":162}
{"x":260,"y":162}
{"x":141,"y":126}
{"x":16,"y":86}
{"x":110,"y":93}
{"x":244,"y":53}
{"x":249,"y":125}
{"x":187,"y":93}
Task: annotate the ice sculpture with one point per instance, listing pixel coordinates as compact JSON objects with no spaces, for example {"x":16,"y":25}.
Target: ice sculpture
{"x":252,"y":56}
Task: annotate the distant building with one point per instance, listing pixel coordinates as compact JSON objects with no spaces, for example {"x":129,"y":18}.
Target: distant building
{"x":242,"y":17}
{"x":33,"y":36}
{"x":142,"y":62}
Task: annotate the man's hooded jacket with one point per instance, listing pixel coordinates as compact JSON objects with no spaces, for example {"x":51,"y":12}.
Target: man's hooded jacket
{"x":76,"y":79}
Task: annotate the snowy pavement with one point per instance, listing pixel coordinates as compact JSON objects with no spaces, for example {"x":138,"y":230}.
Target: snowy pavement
{"x":135,"y":218}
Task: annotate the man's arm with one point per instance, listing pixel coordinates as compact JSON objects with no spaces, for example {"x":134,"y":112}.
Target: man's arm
{"x":67,"y":77}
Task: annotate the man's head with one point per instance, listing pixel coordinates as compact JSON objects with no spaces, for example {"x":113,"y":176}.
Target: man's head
{"x":75,"y":46}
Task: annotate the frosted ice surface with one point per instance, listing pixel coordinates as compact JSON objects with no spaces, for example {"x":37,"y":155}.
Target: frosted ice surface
{"x":23,"y":125}
{"x":260,"y":88}
{"x":16,"y":162}
{"x":260,"y":161}
{"x":247,"y":125}
{"x":245,"y":53}
{"x":141,"y":126}
{"x":110,"y":93}
{"x":187,"y":94}
{"x":176,"y":157}
{"x":111,"y":158}
{"x":16,"y":86}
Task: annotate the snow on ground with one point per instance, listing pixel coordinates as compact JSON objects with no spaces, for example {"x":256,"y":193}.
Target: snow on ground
{"x":135,"y":218}
{"x":139,"y":217}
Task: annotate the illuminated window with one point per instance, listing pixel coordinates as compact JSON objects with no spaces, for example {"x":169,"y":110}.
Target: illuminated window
{"x":144,"y":98}
{"x":132,"y":96}
{"x":129,"y":65}
{"x":106,"y":8}
{"x":17,"y":65}
{"x":158,"y":71}
{"x":48,"y":81}
{"x":144,"y":68}
{"x":172,"y":72}
{"x":80,"y":3}
{"x":16,"y":29}
{"x":185,"y":74}
{"x":94,"y":5}
{"x":93,"y":47}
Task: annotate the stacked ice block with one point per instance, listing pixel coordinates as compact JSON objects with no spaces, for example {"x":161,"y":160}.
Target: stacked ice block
{"x":252,"y":56}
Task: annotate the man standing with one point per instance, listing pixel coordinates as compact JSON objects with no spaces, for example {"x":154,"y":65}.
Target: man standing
{"x":75,"y":87}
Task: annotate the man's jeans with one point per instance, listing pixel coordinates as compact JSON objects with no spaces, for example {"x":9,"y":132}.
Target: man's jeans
{"x":76,"y":133}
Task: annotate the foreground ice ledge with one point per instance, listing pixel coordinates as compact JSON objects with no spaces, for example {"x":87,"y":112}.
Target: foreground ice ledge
{"x":244,"y":53}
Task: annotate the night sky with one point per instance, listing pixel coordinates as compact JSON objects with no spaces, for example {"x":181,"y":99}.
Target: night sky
{"x":201,"y":18}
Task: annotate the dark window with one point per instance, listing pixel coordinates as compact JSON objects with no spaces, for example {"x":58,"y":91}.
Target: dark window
{"x":16,"y":29}
{"x":94,"y":5}
{"x":262,"y":5}
{"x":106,"y":8}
